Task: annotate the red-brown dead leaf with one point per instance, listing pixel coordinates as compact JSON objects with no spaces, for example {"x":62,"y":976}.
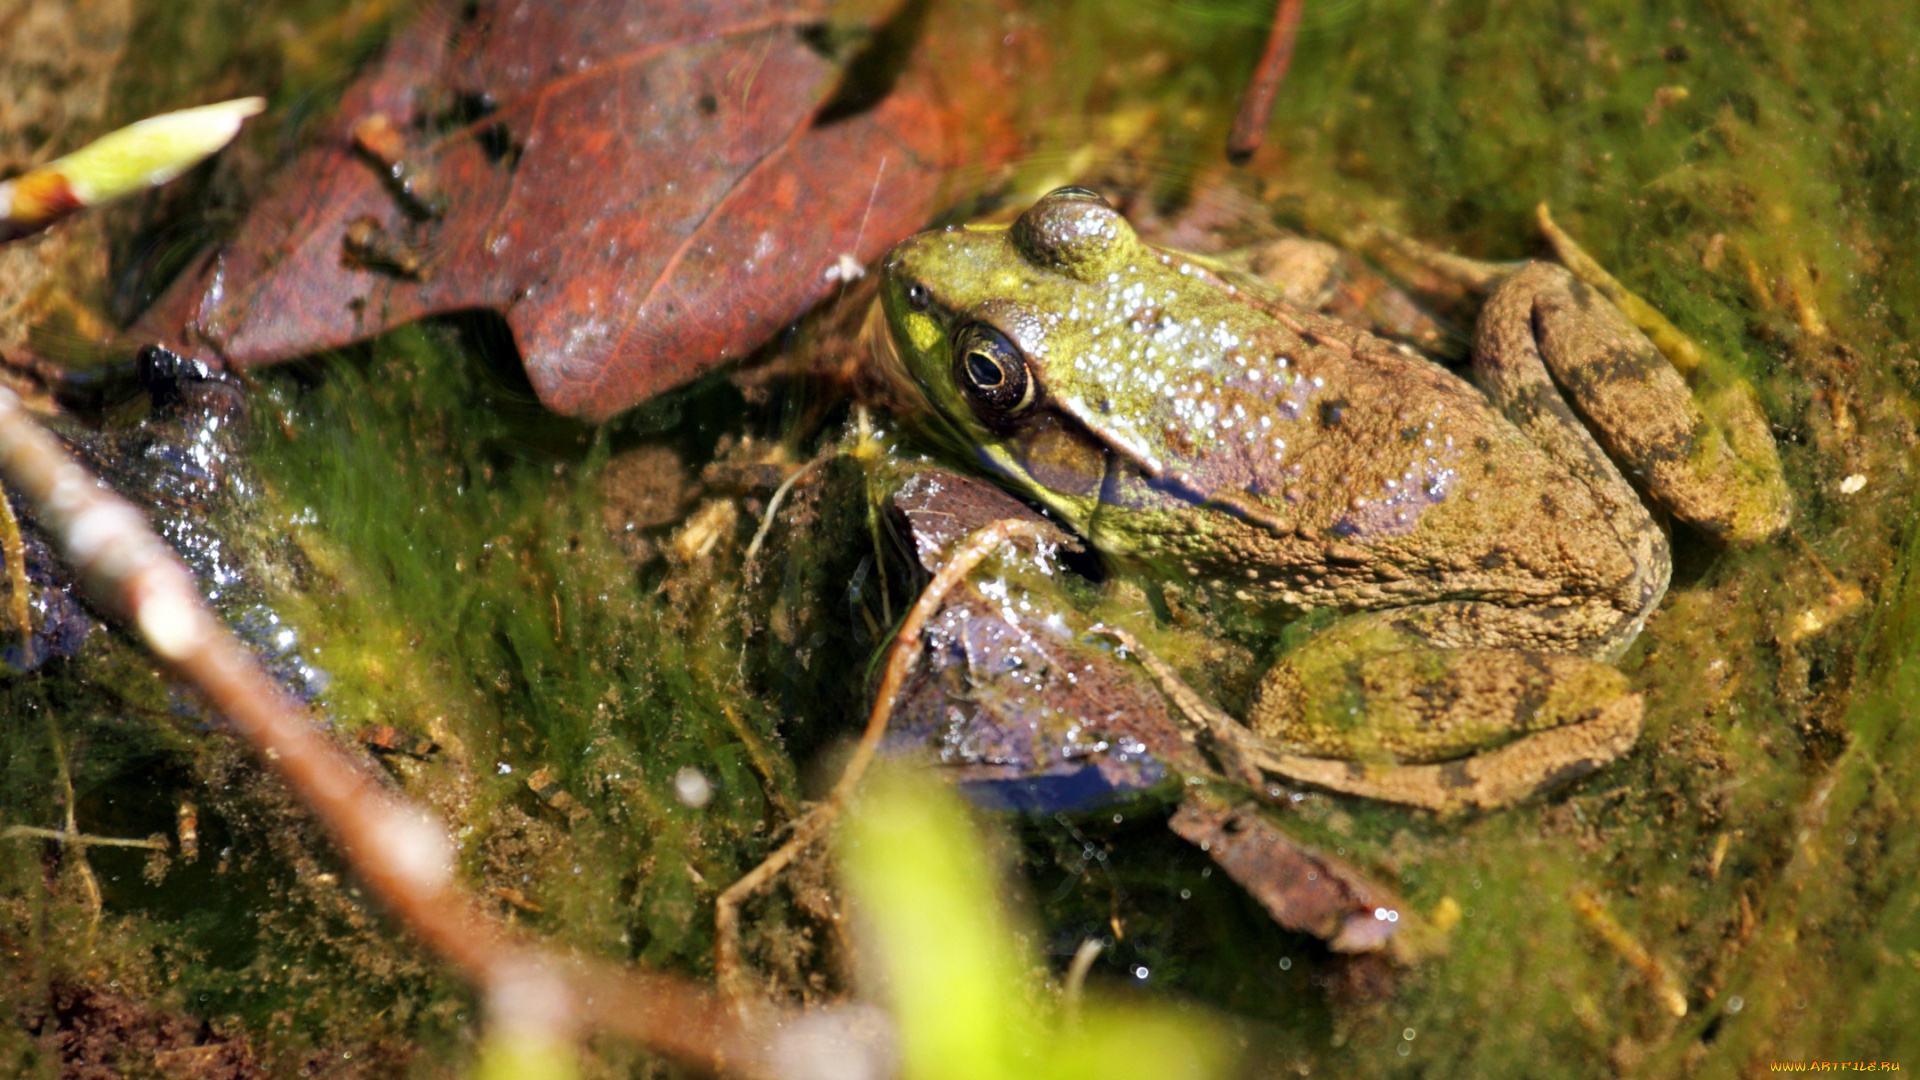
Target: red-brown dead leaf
{"x":643,"y":190}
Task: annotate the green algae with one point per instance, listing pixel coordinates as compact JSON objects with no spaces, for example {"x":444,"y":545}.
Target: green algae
{"x":462,"y":583}
{"x":477,"y":596}
{"x":1767,"y":212}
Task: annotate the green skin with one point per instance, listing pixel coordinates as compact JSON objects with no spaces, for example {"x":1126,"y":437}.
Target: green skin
{"x":1486,"y":553}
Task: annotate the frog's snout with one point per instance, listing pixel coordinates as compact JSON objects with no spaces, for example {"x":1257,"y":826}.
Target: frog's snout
{"x":909,"y":260}
{"x":883,"y":353}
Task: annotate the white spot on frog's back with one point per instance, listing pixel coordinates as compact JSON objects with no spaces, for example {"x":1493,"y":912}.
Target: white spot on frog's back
{"x":1212,"y":396}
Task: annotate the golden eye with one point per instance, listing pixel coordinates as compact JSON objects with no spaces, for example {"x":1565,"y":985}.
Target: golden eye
{"x":991,"y":372}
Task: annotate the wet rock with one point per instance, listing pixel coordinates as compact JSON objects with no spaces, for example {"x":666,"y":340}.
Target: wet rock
{"x":180,"y":455}
{"x":1012,"y":693}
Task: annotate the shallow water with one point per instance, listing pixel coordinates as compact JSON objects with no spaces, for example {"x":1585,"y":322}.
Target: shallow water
{"x":1749,"y":169}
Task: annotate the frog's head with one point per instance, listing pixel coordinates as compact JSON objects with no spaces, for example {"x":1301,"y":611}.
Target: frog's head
{"x":985,"y":322}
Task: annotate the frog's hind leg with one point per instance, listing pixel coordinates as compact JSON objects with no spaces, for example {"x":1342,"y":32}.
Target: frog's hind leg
{"x":1369,"y":709}
{"x":1502,"y":777}
{"x":1707,"y":456}
{"x":1511,"y":367}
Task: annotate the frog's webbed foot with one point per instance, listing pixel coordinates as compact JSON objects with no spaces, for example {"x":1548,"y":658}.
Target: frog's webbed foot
{"x":1693,"y":430}
{"x":1677,"y":418}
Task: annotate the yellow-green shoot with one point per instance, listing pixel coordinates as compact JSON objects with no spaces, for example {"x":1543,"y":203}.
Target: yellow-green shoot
{"x":968,"y":1000}
{"x":138,"y":156}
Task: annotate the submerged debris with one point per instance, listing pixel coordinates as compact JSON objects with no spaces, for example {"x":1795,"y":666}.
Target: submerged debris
{"x":385,"y":739}
{"x":547,"y":788}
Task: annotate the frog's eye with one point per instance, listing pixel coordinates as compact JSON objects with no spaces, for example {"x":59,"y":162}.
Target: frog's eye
{"x":1074,"y":230}
{"x":919,"y":298}
{"x":1075,"y":193}
{"x":992,"y":372}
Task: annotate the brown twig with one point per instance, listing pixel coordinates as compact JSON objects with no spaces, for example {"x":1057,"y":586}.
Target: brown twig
{"x":396,"y":848}
{"x":814,"y":824}
{"x":63,"y":836}
{"x":1256,"y":102}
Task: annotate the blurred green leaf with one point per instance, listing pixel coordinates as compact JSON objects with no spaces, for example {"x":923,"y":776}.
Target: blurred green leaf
{"x":952,"y":970}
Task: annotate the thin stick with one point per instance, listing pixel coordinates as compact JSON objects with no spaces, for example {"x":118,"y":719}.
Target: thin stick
{"x":900,"y":658}
{"x":16,"y":832}
{"x":762,"y":759}
{"x":1076,"y":982}
{"x":396,"y":848}
{"x":1659,"y":979}
{"x":1680,"y":350}
{"x":1256,"y":103}
{"x":95,"y":901}
{"x":773,"y":507}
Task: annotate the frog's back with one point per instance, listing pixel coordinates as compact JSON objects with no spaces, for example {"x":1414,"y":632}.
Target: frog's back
{"x":1339,"y":470}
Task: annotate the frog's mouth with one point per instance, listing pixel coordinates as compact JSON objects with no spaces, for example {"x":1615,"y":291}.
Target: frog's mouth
{"x":902,"y":392}
{"x":1104,"y":428}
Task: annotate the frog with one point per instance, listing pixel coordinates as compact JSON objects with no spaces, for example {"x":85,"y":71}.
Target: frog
{"x":1472,"y":551}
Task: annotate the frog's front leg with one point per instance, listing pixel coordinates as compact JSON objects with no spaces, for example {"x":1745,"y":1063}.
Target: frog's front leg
{"x":1368,"y":707}
{"x":1703,"y":452}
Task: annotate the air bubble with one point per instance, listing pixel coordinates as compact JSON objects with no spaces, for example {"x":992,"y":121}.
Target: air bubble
{"x":692,"y":787}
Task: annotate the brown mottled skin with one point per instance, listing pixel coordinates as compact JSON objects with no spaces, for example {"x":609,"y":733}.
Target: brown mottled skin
{"x":1487,"y":552}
